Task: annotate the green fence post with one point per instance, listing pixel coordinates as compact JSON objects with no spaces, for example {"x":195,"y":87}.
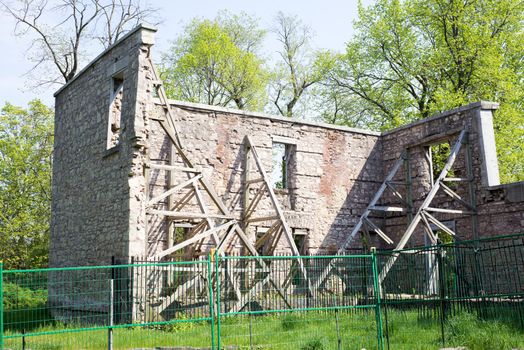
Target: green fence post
{"x":217,"y":278}
{"x":376,"y":289}
{"x":211,"y":300}
{"x":1,"y":306}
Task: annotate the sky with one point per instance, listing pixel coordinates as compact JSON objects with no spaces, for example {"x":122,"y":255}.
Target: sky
{"x":331,"y":21}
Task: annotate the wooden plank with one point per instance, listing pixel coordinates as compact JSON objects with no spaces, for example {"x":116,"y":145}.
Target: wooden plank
{"x":378,"y":231}
{"x":173,"y":190}
{"x":187,"y":215}
{"x":448,"y":211}
{"x":387,"y":208}
{"x":438,"y":223}
{"x":183,"y":201}
{"x":394,"y":190}
{"x":456,"y":179}
{"x":429,"y":231}
{"x":193,"y":239}
{"x":455,"y":196}
{"x":259,"y":242}
{"x":254,"y":181}
{"x":172,"y":168}
{"x":427,"y":201}
{"x":253,"y":204}
{"x":263,"y":218}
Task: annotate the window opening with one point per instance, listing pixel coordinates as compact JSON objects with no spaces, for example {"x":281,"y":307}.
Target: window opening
{"x":115,"y":111}
{"x":282,"y":157}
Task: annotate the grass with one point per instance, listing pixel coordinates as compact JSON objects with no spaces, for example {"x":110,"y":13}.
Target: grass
{"x":297,"y":330}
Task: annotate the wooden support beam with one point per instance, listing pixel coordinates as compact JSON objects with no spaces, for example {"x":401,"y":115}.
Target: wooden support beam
{"x":177,"y":215}
{"x":429,"y":232}
{"x":456,"y":197}
{"x":173,"y":190}
{"x":378,"y":231}
{"x":253,"y":204}
{"x":183,"y":201}
{"x":254,"y":181}
{"x":194,"y":239}
{"x":438,"y":223}
{"x":425,"y":204}
{"x":394,"y":190}
{"x":448,"y":211}
{"x":262,"y":240}
{"x":456,"y":179}
{"x":388,"y":209}
{"x":263,"y":218}
{"x":172,"y":168}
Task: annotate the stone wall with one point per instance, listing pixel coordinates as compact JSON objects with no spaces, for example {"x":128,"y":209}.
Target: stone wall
{"x":335,"y":173}
{"x":95,"y":188}
{"x":100,"y":190}
{"x":500,"y":208}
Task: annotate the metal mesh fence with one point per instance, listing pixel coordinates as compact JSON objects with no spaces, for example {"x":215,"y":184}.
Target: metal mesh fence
{"x":276,"y":302}
{"x":461,"y":294}
{"x":443,"y":287}
{"x":51,"y":306}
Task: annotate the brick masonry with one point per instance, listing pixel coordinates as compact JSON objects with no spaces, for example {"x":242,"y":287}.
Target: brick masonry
{"x":99,"y":194}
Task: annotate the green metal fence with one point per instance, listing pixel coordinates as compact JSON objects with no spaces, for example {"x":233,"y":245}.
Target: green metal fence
{"x":428,"y":298}
{"x":455,"y":288}
{"x":227,"y":302}
{"x":269,"y":303}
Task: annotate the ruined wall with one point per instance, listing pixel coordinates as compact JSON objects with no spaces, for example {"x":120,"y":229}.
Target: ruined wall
{"x":335,"y":172}
{"x":500,"y":208}
{"x":100,"y":190}
{"x":91,"y":192}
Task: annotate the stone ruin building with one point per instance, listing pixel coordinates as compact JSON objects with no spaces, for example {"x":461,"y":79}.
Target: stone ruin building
{"x":136,"y":174}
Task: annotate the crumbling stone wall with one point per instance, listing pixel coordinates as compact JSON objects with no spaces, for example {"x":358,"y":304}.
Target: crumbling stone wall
{"x":96,"y":191}
{"x":500,"y":208}
{"x":99,"y":194}
{"x":336,"y":170}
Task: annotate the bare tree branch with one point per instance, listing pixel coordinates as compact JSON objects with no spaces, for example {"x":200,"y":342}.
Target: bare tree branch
{"x":61,"y":29}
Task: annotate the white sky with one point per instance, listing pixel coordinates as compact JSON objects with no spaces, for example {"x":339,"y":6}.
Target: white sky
{"x":331,"y":20}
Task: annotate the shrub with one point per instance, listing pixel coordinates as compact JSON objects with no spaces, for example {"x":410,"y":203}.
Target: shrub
{"x":315,"y":344}
{"x":17,"y":297}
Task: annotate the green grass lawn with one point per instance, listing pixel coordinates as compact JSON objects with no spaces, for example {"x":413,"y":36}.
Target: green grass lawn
{"x":296,"y":330}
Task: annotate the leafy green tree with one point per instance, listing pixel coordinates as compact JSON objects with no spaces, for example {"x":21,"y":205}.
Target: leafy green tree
{"x":215,"y":62}
{"x":410,"y":59}
{"x":26,"y":143}
{"x":295,"y":73}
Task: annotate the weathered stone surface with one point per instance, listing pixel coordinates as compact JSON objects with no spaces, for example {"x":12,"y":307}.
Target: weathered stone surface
{"x":99,"y":195}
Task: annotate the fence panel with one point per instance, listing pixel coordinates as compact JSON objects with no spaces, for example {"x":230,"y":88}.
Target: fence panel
{"x":444,"y":295}
{"x":269,"y":303}
{"x":136,"y":305}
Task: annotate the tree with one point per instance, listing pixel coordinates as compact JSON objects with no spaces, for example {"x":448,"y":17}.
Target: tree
{"x":412,"y":58}
{"x":215,"y":62}
{"x":295,"y":72}
{"x":57,"y":49}
{"x":26,"y":142}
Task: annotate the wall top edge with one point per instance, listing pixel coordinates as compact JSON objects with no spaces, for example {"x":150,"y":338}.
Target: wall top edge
{"x":142,"y":26}
{"x":248,"y":114}
{"x":481,"y":105}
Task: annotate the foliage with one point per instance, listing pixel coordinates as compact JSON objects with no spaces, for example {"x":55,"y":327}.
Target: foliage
{"x":315,"y":344}
{"x":26,"y":141}
{"x":296,"y":71}
{"x":410,"y":59}
{"x":19,"y":298}
{"x":215,"y":62}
